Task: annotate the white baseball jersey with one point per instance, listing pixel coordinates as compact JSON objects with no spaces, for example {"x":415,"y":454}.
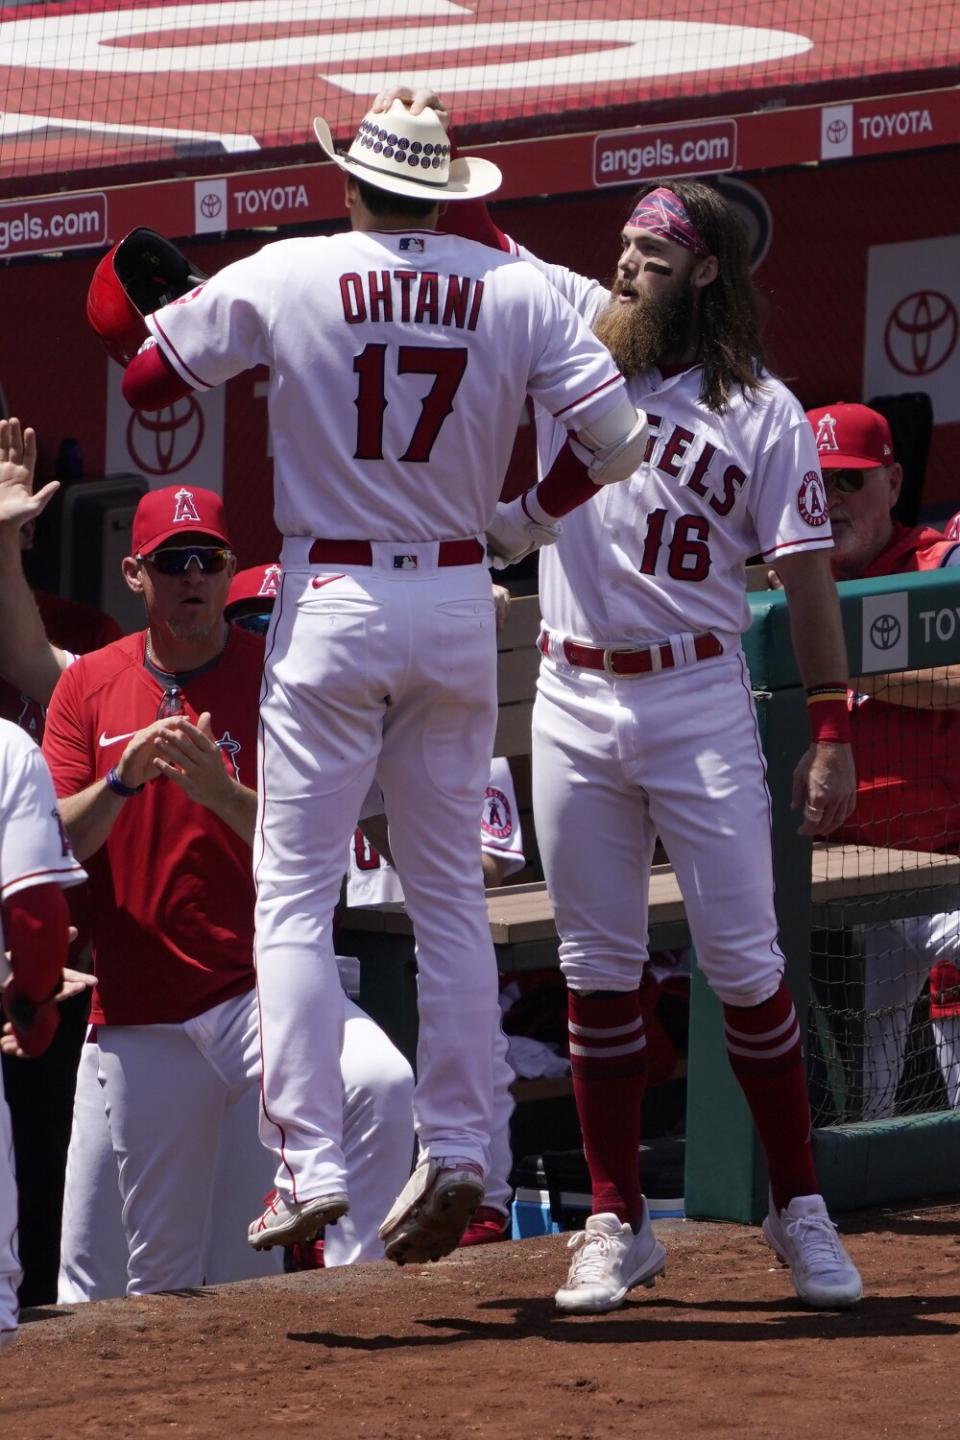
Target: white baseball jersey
{"x":713,"y":491}
{"x":34,"y":848}
{"x":405,"y":329}
{"x":371,"y":880}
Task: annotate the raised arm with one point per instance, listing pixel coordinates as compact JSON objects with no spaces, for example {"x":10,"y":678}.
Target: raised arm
{"x":27,"y":659}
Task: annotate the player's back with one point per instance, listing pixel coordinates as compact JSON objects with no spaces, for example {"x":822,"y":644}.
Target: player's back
{"x":399,"y":366}
{"x":422,"y":346}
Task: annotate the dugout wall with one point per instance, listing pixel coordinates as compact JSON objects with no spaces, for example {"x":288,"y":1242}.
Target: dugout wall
{"x":904,"y":622}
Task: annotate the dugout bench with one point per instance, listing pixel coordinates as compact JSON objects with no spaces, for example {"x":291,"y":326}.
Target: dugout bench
{"x":819,"y":887}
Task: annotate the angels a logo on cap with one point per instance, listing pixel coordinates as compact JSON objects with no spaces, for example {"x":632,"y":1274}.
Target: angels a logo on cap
{"x":185,"y":507}
{"x":270,"y":585}
{"x":827,"y":435}
{"x":812,"y":499}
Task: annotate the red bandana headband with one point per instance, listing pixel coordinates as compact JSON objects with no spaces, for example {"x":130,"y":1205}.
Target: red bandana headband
{"x":662,"y":213}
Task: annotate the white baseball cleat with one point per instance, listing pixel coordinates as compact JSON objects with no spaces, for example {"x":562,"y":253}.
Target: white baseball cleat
{"x":432,"y":1210}
{"x":611,"y":1259}
{"x":292,"y":1222}
{"x":805,"y":1239}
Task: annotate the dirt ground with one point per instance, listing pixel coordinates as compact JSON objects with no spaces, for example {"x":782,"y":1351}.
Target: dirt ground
{"x":473,"y":1347}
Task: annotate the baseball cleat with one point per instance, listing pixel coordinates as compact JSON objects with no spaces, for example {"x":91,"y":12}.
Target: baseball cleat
{"x":805,"y":1239}
{"x":611,"y":1259}
{"x":289,"y":1222}
{"x":432,"y":1211}
{"x":487,"y":1227}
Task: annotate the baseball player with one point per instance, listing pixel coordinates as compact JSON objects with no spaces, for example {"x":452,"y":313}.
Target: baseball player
{"x":372,"y":880}
{"x":905,"y":728}
{"x":36,"y":864}
{"x":644,"y":722}
{"x":399,"y":361}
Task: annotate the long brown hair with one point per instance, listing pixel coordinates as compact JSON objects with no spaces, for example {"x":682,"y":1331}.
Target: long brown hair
{"x":731,"y":311}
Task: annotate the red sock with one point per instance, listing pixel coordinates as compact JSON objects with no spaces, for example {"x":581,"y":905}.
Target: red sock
{"x":608,"y":1060}
{"x":766,"y":1054}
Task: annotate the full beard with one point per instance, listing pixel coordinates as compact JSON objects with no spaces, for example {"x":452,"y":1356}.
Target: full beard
{"x":646,"y":331}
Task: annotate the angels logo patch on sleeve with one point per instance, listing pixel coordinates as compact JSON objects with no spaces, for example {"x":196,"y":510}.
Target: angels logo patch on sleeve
{"x":497,"y":818}
{"x":812,"y":499}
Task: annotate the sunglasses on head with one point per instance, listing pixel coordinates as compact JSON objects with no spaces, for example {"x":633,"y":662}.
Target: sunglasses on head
{"x":175,"y":560}
{"x":257,"y":623}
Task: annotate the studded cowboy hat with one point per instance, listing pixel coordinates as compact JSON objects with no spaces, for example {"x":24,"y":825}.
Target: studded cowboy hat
{"x":409,"y":155}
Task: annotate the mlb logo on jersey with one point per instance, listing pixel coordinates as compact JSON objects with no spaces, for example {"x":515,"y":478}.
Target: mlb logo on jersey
{"x":405,"y":562}
{"x":413,"y":243}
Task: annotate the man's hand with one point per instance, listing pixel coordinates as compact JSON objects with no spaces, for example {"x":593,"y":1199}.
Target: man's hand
{"x":137,"y":765}
{"x":824,"y":787}
{"x":189,"y":756}
{"x":418,"y":100}
{"x":501,"y":604}
{"x":18,"y":461}
{"x":512,"y":534}
{"x":75,"y":982}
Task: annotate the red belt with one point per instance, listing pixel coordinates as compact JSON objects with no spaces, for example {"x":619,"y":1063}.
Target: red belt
{"x":360,"y":552}
{"x":629,"y":662}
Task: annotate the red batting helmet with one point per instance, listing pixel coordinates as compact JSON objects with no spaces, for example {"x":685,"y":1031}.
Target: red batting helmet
{"x":139,"y":275}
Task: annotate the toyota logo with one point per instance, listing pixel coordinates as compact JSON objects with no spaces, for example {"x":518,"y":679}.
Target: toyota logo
{"x":165,"y":442}
{"x":837,"y":132}
{"x":885,"y":632}
{"x":210,"y":206}
{"x":921,"y":334}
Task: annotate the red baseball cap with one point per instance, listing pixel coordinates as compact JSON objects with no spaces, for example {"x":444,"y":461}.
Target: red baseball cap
{"x":851,"y":437}
{"x":177,"y":510}
{"x":260,"y":582}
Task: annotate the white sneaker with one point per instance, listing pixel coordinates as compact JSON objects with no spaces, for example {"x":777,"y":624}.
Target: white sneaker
{"x":292,"y":1222}
{"x":805,"y":1239}
{"x":611,"y":1259}
{"x":432,"y":1210}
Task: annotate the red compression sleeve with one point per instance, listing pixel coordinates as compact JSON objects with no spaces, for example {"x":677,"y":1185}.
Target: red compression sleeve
{"x":35,"y":924}
{"x":150,"y":381}
{"x":36,"y":929}
{"x":564,"y":489}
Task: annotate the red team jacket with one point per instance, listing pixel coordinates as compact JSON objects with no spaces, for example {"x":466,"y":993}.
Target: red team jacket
{"x":172,"y":888}
{"x":908,"y":785}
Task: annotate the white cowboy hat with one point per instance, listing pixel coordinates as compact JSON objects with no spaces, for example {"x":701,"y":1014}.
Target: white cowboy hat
{"x":410,"y":155}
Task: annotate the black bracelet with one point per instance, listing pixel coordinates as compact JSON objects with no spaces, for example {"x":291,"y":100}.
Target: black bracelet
{"x":115,"y":784}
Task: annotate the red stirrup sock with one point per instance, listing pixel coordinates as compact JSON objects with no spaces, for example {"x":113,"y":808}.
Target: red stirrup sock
{"x":608,"y":1061}
{"x":766,"y":1054}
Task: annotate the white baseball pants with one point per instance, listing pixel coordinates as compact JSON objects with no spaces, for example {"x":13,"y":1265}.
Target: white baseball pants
{"x":388,"y":668}
{"x":378,"y":1140}
{"x":897,"y":958}
{"x":618,"y":761}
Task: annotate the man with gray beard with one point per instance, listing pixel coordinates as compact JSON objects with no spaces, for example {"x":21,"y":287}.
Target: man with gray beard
{"x":644,"y":722}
